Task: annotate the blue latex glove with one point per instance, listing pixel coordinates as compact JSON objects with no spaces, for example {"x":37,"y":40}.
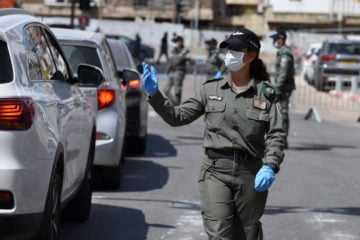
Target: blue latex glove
{"x":199,"y":59}
{"x":264,"y":178}
{"x":217,"y":74}
{"x":149,"y":78}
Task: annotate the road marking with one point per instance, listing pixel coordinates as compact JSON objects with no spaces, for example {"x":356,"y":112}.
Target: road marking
{"x":152,"y":113}
{"x":188,"y":227}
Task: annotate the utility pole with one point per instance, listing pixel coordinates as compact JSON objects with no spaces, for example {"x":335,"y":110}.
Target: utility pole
{"x":72,"y":16}
{"x":175,"y":13}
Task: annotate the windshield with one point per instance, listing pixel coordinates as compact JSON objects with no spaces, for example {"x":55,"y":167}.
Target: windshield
{"x":77,"y":55}
{"x":6,"y":74}
{"x":344,"y":48}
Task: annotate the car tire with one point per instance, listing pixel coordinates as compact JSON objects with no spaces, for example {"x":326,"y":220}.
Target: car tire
{"x":79,"y":208}
{"x":111,"y":176}
{"x":52,"y":215}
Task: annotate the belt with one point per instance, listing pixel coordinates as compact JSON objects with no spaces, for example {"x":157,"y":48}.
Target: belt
{"x":232,"y":154}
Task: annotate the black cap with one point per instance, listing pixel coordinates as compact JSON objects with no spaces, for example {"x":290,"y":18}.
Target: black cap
{"x":211,"y":41}
{"x":242,"y":38}
{"x":279,"y":34}
{"x":177,"y":39}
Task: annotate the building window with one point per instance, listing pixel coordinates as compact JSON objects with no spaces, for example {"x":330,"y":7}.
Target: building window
{"x":232,"y":10}
{"x":140,"y":2}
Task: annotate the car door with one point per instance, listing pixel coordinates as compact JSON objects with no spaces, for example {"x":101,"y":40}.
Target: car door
{"x":66,"y":109}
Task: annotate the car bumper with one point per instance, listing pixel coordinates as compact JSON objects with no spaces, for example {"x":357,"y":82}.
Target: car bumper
{"x":20,"y":227}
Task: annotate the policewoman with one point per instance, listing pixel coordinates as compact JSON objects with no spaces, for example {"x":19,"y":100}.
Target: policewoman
{"x":243,"y":140}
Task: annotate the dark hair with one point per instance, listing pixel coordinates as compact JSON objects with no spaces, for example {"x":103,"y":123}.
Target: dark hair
{"x":258,"y":70}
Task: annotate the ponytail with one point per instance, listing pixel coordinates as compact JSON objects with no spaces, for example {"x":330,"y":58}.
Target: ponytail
{"x":258,"y":70}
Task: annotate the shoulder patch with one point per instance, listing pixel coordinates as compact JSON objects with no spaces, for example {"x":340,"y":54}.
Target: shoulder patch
{"x":270,"y":91}
{"x":213,"y":80}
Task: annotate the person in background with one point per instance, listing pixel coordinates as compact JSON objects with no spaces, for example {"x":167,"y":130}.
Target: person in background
{"x":163,"y":48}
{"x":176,"y":70}
{"x":137,"y":49}
{"x":215,"y":62}
{"x":284,"y":75}
{"x":244,"y":138}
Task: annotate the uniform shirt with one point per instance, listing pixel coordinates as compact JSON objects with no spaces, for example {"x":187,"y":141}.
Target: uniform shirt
{"x":284,"y":70}
{"x":215,"y":62}
{"x":250,"y":120}
{"x":178,"y":60}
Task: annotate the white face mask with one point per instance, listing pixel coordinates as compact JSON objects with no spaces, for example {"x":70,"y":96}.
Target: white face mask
{"x":234,"y":60}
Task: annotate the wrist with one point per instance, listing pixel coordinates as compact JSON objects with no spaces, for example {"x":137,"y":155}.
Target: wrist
{"x":273,"y":166}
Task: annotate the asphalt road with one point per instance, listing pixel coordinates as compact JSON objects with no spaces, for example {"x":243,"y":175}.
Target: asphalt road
{"x":315,"y":196}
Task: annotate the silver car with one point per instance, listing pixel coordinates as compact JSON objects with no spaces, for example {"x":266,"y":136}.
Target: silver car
{"x":47,"y":131}
{"x":92,"y":48}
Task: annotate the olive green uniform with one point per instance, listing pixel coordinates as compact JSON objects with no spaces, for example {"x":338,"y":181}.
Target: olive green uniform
{"x":214,"y":63}
{"x":284,"y":80}
{"x":176,"y":70}
{"x":251,"y":122}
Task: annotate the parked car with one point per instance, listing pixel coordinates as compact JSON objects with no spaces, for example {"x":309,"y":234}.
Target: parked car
{"x":92,"y":48}
{"x":146,"y":51}
{"x":136,"y":98}
{"x":309,"y":61}
{"x":338,"y":58}
{"x":47,"y":131}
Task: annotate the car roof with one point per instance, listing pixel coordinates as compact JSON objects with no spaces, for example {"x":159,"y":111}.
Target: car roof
{"x":342,"y":41}
{"x":78,"y":35}
{"x":11,"y":17}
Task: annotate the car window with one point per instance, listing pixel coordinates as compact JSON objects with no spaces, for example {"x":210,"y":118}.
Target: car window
{"x":6,"y":73}
{"x":108,"y":57}
{"x":344,"y":48}
{"x":79,"y":54}
{"x":41,"y":65}
{"x":57,"y":57}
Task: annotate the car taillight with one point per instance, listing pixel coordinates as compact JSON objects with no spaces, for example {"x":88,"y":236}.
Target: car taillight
{"x":6,"y":200}
{"x":328,"y":57}
{"x":134,"y":84}
{"x":16,"y":113}
{"x":106,"y":97}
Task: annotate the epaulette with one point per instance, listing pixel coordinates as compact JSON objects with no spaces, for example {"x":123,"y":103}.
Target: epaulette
{"x":213,"y":80}
{"x":270,"y":92}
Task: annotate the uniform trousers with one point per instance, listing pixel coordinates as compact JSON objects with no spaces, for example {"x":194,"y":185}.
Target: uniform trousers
{"x":176,"y":79}
{"x":231,"y":208}
{"x":284,"y":102}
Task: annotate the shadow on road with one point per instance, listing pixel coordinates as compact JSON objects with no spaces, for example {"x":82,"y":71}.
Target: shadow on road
{"x":320,"y":147}
{"x":110,"y":223}
{"x":272,"y":210}
{"x":157,"y":146}
{"x":140,"y":175}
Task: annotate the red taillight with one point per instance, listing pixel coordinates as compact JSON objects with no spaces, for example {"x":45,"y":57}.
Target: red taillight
{"x":328,"y":57}
{"x":106,"y":97}
{"x":6,"y":200}
{"x":16,"y":113}
{"x":134,"y":84}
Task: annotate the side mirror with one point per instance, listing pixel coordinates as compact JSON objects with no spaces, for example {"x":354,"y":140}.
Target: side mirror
{"x":129,"y":75}
{"x":90,"y":75}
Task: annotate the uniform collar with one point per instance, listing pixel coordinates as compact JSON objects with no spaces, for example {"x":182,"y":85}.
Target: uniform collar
{"x":225,"y":83}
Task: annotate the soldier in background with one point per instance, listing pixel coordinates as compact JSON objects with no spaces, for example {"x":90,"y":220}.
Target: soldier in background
{"x":284,"y":75}
{"x":215,"y":66}
{"x":176,"y":70}
{"x":163,"y":48}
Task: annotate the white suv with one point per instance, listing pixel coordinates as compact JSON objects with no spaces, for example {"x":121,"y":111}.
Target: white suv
{"x":92,"y":48}
{"x":47,"y":131}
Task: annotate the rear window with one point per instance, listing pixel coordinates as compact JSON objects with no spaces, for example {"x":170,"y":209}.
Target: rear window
{"x":344,"y":48}
{"x":78,"y":55}
{"x":6,"y":73}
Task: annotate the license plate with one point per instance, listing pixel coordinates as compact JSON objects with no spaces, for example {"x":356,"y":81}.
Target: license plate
{"x":348,"y":62}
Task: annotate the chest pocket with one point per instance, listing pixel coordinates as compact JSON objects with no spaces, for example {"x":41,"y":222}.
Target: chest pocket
{"x":214,"y":114}
{"x":257,"y":122}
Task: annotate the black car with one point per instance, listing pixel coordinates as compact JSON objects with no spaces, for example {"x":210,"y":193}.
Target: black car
{"x":136,"y":98}
{"x":146,"y":52}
